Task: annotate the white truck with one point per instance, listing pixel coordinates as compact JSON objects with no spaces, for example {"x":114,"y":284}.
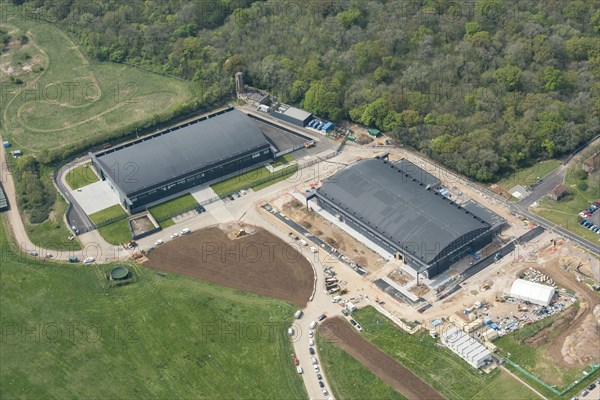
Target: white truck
{"x":350,"y":307}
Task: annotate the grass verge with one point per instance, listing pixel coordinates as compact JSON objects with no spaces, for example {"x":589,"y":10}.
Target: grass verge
{"x":107,"y":214}
{"x":81,"y":176}
{"x":182,"y":338}
{"x":117,"y":232}
{"x":53,"y":234}
{"x":527,"y":176}
{"x":171,"y":207}
{"x":253,"y":179}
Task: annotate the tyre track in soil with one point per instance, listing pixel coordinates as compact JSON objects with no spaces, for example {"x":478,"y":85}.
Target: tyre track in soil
{"x":342,"y":335}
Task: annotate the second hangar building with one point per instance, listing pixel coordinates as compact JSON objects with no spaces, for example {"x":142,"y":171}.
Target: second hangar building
{"x":397,"y":207}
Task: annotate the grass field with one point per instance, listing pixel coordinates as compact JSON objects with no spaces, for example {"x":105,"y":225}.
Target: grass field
{"x":251,"y":179}
{"x":438,"y":366}
{"x":349,"y":379}
{"x":117,"y":232}
{"x":162,"y":337}
{"x":81,"y":176}
{"x":109,"y":213}
{"x":70,"y":99}
{"x":164,"y":210}
{"x":536,"y":359}
{"x":527,"y":176}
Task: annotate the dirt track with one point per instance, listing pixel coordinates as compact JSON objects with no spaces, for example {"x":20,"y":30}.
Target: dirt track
{"x":259,"y":263}
{"x":385,"y":367}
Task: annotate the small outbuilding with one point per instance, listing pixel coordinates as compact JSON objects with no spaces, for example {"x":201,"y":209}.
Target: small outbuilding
{"x":558,"y":192}
{"x":533,"y":292}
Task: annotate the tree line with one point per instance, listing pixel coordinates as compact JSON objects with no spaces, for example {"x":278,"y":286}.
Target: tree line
{"x":485,"y":87}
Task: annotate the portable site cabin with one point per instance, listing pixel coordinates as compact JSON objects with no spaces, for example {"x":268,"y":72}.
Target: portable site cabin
{"x":374,"y":132}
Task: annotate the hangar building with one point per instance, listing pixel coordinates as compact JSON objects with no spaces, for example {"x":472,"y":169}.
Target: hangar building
{"x":404,"y":215}
{"x":158,"y":166}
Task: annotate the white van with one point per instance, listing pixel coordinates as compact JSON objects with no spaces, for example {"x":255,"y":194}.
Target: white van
{"x":185,"y":231}
{"x":298,"y":314}
{"x":313,"y":325}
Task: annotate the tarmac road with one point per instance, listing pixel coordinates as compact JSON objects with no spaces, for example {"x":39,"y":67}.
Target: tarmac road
{"x":549,"y":182}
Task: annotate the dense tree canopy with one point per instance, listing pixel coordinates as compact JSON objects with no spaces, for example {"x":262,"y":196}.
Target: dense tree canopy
{"x":484,"y":87}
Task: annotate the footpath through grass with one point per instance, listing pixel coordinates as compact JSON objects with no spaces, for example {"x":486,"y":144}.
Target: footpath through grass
{"x":349,"y":379}
{"x":81,"y":176}
{"x":527,"y":176}
{"x":75,"y":99}
{"x":438,"y":366}
{"x":162,"y":337}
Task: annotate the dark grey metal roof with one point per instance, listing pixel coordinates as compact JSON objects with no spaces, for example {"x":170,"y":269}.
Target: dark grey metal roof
{"x":416,"y":172}
{"x":3,"y":201}
{"x":180,"y":151}
{"x":484,"y":213}
{"x":399,"y":207}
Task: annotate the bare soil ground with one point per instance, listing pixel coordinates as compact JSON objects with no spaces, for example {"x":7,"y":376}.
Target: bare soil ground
{"x":258,"y":263}
{"x":141,"y":224}
{"x":332,"y":235}
{"x":562,"y":347}
{"x":399,"y":277}
{"x":385,"y":367}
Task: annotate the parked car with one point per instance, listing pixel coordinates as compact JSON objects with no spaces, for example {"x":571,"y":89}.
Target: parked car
{"x":174,"y":235}
{"x":313,"y":324}
{"x":311,"y":333}
{"x":238,"y":195}
{"x":158,"y":242}
{"x":584,"y":393}
{"x":586,"y":212}
{"x":321,"y":384}
{"x":200,"y":209}
{"x":317,"y":369}
{"x":299,"y":369}
{"x":230,"y":197}
{"x":311,"y":351}
{"x":325,"y":392}
{"x":185,"y":231}
{"x":592,"y":386}
{"x":33,"y":253}
{"x":319,"y":377}
{"x":311,"y":342}
{"x":296,"y":361}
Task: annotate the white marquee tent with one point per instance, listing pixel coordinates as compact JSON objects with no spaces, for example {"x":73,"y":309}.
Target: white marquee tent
{"x":535,"y":293}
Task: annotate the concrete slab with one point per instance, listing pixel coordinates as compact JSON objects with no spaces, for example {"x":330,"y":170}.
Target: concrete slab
{"x":95,"y":197}
{"x":202,"y":193}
